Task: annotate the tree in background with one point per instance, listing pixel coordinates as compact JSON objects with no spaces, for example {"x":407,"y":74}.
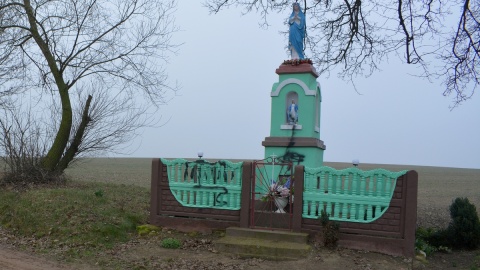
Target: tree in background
{"x":79,"y":76}
{"x":441,"y":37}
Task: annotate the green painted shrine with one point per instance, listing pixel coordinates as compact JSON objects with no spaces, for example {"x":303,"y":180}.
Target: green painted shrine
{"x":297,"y":141}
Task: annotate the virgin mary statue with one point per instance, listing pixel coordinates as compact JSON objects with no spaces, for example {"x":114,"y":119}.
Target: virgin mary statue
{"x":297,"y":32}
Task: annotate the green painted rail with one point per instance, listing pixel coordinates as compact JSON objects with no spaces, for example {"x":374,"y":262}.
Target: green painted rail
{"x":348,"y":195}
{"x":206,"y":185}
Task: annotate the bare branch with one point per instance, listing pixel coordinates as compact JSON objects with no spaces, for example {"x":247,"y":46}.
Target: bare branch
{"x":353,"y":37}
{"x":61,"y":47}
{"x":462,"y":68}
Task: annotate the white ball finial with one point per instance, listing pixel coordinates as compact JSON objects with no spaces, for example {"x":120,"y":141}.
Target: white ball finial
{"x":355,"y":162}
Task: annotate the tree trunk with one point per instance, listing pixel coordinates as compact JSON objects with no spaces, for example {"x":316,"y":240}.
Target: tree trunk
{"x":57,"y":149}
{"x":77,"y":140}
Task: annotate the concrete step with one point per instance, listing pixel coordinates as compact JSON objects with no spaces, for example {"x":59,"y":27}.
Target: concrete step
{"x":270,"y":245}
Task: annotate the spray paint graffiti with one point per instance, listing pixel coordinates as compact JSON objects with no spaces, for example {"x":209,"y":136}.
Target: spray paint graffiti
{"x":196,"y":176}
{"x":289,"y":155}
{"x":204,"y":184}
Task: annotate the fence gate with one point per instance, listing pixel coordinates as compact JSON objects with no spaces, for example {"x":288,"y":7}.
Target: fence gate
{"x":272,"y":194}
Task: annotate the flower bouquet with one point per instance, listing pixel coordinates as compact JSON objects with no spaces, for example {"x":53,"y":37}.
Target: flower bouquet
{"x":296,"y":62}
{"x":279,"y":191}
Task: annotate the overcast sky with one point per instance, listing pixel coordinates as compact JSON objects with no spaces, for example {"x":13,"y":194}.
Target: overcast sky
{"x":226,"y":68}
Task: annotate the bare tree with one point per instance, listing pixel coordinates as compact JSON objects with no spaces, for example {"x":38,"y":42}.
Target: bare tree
{"x":354,"y":36}
{"x":98,"y":64}
{"x":22,"y":146}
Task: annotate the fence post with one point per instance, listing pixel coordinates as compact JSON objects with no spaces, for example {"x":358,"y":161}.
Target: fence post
{"x":246,"y":193}
{"x":411,"y":182}
{"x":156,"y":177}
{"x":298,"y":193}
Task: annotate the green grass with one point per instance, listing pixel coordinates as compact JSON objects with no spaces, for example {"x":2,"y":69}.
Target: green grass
{"x":75,"y":216}
{"x":171,"y":243}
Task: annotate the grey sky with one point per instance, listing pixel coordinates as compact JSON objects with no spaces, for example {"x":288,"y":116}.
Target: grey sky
{"x":227,"y":68}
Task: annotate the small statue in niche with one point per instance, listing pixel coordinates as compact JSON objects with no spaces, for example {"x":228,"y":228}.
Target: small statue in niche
{"x":292,"y":113}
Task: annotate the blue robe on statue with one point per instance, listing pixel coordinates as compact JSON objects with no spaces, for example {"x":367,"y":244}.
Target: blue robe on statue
{"x":297,"y":33}
{"x":292,"y":114}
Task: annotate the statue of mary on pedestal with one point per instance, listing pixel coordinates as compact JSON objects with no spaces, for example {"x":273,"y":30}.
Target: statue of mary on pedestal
{"x":292,"y":113}
{"x":297,"y":32}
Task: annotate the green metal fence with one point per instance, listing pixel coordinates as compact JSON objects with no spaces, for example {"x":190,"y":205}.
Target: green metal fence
{"x":203,"y":184}
{"x":348,"y":195}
